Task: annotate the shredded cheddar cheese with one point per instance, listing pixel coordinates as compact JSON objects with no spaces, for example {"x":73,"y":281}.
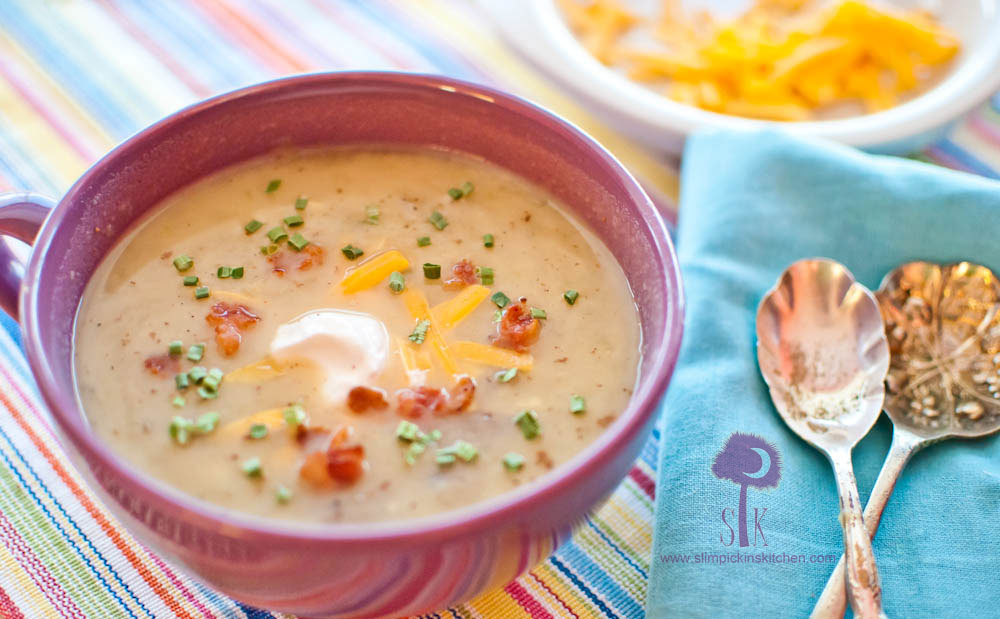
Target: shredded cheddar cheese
{"x":780,"y":60}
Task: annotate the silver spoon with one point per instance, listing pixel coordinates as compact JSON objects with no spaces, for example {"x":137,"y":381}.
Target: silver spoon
{"x":942,"y":381}
{"x":822,"y":350}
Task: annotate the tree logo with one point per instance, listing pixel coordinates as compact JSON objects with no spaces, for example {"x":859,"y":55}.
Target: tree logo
{"x":747,"y":460}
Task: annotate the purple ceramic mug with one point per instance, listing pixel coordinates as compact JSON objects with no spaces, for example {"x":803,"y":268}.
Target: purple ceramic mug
{"x":349,"y":570}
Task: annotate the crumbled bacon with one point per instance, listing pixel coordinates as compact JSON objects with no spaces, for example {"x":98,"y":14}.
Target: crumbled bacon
{"x":335,"y":462}
{"x":346,"y":464}
{"x":464,"y":274}
{"x":230,"y":320}
{"x":162,"y":364}
{"x":362,"y":398}
{"x":414,"y":402}
{"x":517,"y":329}
{"x":282,"y":261}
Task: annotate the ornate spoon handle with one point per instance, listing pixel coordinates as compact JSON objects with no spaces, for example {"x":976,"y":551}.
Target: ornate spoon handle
{"x":832,"y":602}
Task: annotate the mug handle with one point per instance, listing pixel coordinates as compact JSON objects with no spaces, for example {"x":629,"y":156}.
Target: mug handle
{"x":21,"y":215}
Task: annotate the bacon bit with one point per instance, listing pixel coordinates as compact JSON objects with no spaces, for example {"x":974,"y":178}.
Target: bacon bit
{"x":162,"y":364}
{"x":464,"y":275}
{"x":346,"y":464}
{"x":310,"y":256}
{"x":414,"y":402}
{"x":331,"y":461}
{"x":517,"y":329}
{"x":314,"y":469}
{"x":362,"y":398}
{"x":229,"y":320}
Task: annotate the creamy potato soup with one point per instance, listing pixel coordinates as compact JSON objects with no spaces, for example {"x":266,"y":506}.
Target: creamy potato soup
{"x":355,"y":336}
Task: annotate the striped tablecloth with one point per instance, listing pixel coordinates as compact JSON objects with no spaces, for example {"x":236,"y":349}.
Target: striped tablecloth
{"x":79,"y":76}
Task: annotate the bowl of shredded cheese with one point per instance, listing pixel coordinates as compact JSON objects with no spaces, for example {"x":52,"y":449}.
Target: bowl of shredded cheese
{"x":884,"y":76}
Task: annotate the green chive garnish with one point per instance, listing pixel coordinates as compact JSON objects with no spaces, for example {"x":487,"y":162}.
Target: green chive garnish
{"x":460,"y":449}
{"x":282,"y":495}
{"x":538,"y":313}
{"x":423,"y":241}
{"x":507,"y":375}
{"x":190,"y":280}
{"x":513,"y":461}
{"x":294,"y":415}
{"x":181,"y":381}
{"x":224,"y":272}
{"x":371,"y":214}
{"x":211,"y":383}
{"x":352,"y":252}
{"x":301,"y":202}
{"x":276,"y":234}
{"x":396,"y":282}
{"x":183,"y":263}
{"x":273,"y":186}
{"x":455,"y":193}
{"x":438,"y":220}
{"x":571,"y":296}
{"x":206,"y":423}
{"x":252,"y":226}
{"x":237,"y":273}
{"x":251,"y":467}
{"x":201,"y":293}
{"x":467,"y":188}
{"x":216,"y":373}
{"x":196,"y":352}
{"x":432,"y":271}
{"x":500,"y":299}
{"x":267,"y":250}
{"x":413,"y":452}
{"x":420,"y":331}
{"x":497,"y":316}
{"x":176,"y":348}
{"x":407,"y":430}
{"x":207,"y":394}
{"x":180,"y":430}
{"x":293,"y":220}
{"x":179,"y":401}
{"x":197,"y":374}
{"x":298,"y":242}
{"x":488,"y":240}
{"x":485,"y":275}
{"x":257,"y":431}
{"x":527,"y":420}
{"x":444,"y":457}
{"x":577,"y":404}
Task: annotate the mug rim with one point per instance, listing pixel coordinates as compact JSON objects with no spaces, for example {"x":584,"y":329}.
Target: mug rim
{"x":70,"y":417}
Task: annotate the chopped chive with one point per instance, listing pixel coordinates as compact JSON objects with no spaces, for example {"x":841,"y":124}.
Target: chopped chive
{"x":538,"y":313}
{"x":407,"y":430}
{"x":252,"y":226}
{"x":267,"y":250}
{"x":251,"y":467}
{"x":527,"y":420}
{"x":423,"y":241}
{"x":485,"y":276}
{"x":273,"y":186}
{"x":201,"y":292}
{"x":577,"y":404}
{"x":500,"y":299}
{"x":455,"y":193}
{"x":206,"y":423}
{"x":371,"y":214}
{"x":420,"y":331}
{"x":301,"y":202}
{"x":434,"y":435}
{"x":180,"y":430}
{"x":298,"y":242}
{"x":467,"y":188}
{"x":237,"y":273}
{"x":413,"y":452}
{"x":444,"y":457}
{"x":432,"y":271}
{"x":211,"y":383}
{"x":507,"y":375}
{"x":183,"y":263}
{"x":396,"y":282}
{"x":513,"y":461}
{"x":282,"y":495}
{"x":224,"y":272}
{"x":571,"y":296}
{"x":438,"y":220}
{"x":190,"y":280}
{"x":176,"y":348}
{"x":181,"y":381}
{"x":179,"y":401}
{"x":465,"y":451}
{"x":293,"y":220}
{"x":216,"y":373}
{"x":487,"y":240}
{"x":497,"y":315}
{"x":351,"y":252}
{"x":257,"y":431}
{"x":196,"y":352}
{"x":276,"y":234}
{"x":294,"y":415}
{"x":197,"y":374}
{"x":206,"y":393}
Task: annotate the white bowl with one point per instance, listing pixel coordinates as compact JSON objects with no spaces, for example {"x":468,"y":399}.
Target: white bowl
{"x":537,"y":30}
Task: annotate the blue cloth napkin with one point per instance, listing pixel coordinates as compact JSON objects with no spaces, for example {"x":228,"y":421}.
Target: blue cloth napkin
{"x":751,"y":204}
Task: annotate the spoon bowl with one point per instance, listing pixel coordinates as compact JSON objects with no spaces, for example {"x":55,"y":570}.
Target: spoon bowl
{"x":823,"y":353}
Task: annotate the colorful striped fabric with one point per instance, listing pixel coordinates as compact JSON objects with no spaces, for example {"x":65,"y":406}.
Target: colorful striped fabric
{"x":78,"y":76}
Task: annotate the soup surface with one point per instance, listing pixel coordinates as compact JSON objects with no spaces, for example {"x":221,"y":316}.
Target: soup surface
{"x":355,"y":336}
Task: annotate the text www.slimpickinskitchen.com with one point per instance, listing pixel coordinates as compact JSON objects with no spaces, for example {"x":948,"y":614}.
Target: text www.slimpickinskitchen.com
{"x":736,"y":557}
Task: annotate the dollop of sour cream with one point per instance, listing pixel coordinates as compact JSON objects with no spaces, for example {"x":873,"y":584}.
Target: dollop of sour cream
{"x":350,"y":347}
